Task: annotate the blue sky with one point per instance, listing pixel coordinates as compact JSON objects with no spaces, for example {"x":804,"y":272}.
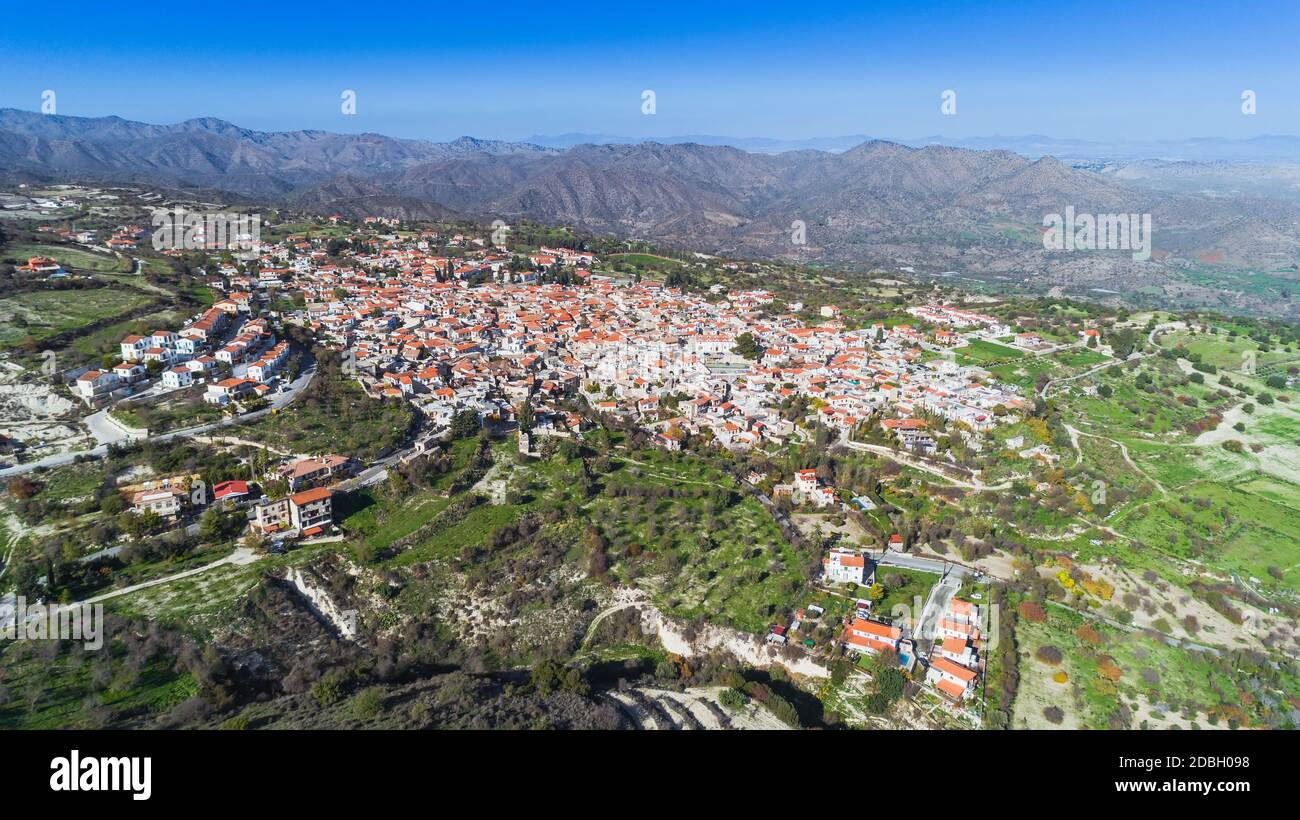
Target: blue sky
{"x":1091,"y":70}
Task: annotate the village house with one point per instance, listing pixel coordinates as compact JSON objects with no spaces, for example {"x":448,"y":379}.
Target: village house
{"x":272,"y":516}
{"x":869,"y":637}
{"x":225,"y":391}
{"x":950,"y":678}
{"x":958,"y":651}
{"x":230,"y":492}
{"x":176,"y":378}
{"x":311,"y":511}
{"x":959,"y":620}
{"x":164,"y":501}
{"x":310,"y":472}
{"x":94,"y":385}
{"x":842,"y":566}
{"x":129,"y":372}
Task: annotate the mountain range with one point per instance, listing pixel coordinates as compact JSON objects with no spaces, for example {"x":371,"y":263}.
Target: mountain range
{"x":877,"y":203}
{"x":1261,"y":149}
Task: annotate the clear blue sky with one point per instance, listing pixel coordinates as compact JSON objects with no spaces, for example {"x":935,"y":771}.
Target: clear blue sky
{"x":1093,"y":70}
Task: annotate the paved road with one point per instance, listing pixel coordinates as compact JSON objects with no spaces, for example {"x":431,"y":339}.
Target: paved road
{"x":106,"y":432}
{"x":378,"y":471}
{"x":374,"y":474}
{"x":107,"y":552}
{"x":935,"y":565}
{"x":1047,"y":351}
{"x":1047,"y":388}
{"x":105,"y":429}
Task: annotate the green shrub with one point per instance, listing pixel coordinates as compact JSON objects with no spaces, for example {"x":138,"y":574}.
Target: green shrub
{"x":733,"y":698}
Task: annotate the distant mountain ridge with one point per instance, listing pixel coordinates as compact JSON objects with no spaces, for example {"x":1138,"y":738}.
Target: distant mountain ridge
{"x":1265,"y":148}
{"x":211,"y":152}
{"x":877,"y":203}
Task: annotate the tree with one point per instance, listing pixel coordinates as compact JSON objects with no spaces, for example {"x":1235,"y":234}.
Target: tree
{"x":210,"y":524}
{"x":27,"y":579}
{"x":465,"y":424}
{"x":112,"y":504}
{"x":1122,"y":342}
{"x":1049,"y":655}
{"x":1032,"y":612}
{"x":839,"y":671}
{"x":524,"y":416}
{"x":747,"y":348}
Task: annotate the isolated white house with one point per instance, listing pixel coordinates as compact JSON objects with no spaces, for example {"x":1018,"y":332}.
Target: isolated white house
{"x":843,"y":566}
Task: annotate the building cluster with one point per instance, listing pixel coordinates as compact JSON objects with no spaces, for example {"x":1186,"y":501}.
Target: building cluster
{"x":487,"y":332}
{"x":954,"y":666}
{"x":304,"y":509}
{"x":955,"y":661}
{"x":307,"y":509}
{"x":167,"y":497}
{"x":484,"y":332}
{"x":219,"y":339}
{"x":806,"y":489}
{"x":949,"y":316}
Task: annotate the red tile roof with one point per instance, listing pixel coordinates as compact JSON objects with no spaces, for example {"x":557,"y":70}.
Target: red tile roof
{"x":308,"y":496}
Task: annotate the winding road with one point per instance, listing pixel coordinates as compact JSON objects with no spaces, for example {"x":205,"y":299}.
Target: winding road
{"x":1151,"y":340}
{"x":108,"y":432}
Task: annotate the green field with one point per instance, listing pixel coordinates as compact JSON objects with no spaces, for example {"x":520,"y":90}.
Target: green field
{"x":334,"y":416}
{"x":915,"y":585}
{"x":1079,"y":358}
{"x":1193,"y":687}
{"x":717,"y":551}
{"x":104,"y":341}
{"x":48,"y":685}
{"x":379,"y":525}
{"x":980,"y":351}
{"x":722,"y":556}
{"x":645,"y":260}
{"x":473,"y":528}
{"x":70,"y":482}
{"x":41,"y":314}
{"x":1023,"y":372}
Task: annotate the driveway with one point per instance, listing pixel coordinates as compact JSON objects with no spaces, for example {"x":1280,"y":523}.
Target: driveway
{"x":935,"y":605}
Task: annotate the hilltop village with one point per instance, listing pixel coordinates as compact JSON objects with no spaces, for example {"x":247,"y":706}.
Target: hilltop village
{"x":824,"y":476}
{"x":478,"y":334}
{"x":517,"y":342}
